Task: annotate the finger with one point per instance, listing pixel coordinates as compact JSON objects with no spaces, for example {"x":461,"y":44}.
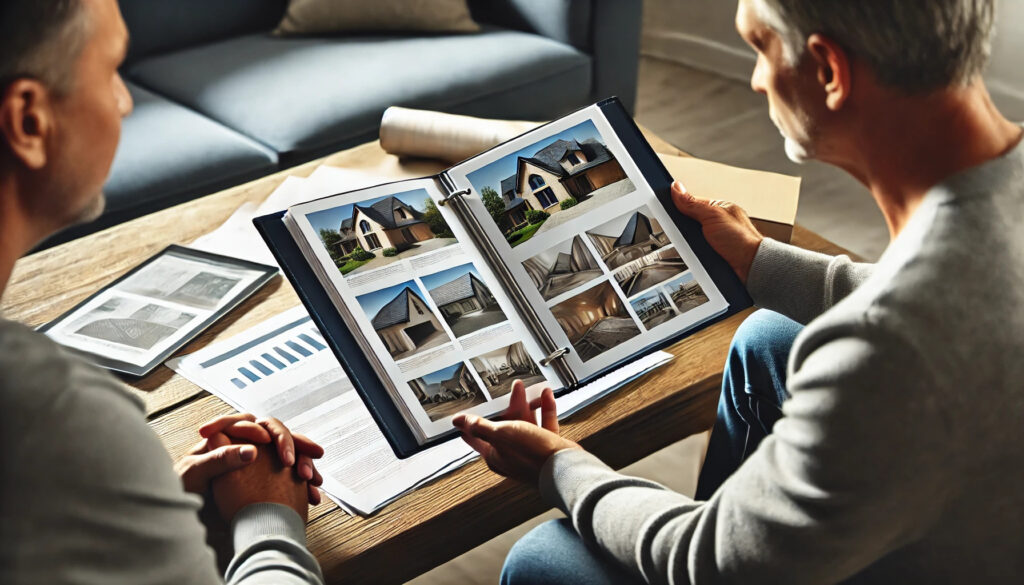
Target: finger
{"x":217,"y":441}
{"x":549,"y":411}
{"x":206,"y":466}
{"x":220,"y":423}
{"x":282,"y":438}
{"x":304,"y":467}
{"x":518,"y":409}
{"x":318,"y":480}
{"x":307,"y":446}
{"x":477,"y":444}
{"x":314,"y":496}
{"x":698,"y":209}
{"x":249,"y":432}
{"x":480,"y":428}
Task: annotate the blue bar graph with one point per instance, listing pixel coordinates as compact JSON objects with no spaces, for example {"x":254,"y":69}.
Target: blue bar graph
{"x":262,"y":368}
{"x":291,"y":359}
{"x":238,"y":383}
{"x":298,"y":348}
{"x":312,"y":342}
{"x":274,"y":361}
{"x":248,"y":374}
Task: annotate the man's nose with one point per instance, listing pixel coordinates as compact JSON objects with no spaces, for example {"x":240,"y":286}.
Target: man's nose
{"x":125,"y":103}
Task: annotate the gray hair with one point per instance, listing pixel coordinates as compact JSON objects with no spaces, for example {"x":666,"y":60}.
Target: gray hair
{"x":914,"y":45}
{"x":41,"y":39}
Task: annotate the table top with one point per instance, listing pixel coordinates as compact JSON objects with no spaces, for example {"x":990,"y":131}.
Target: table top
{"x":443,"y":519}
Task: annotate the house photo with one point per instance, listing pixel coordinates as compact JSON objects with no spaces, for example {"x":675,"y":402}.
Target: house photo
{"x":465,"y":302}
{"x":595,"y":321}
{"x":389,"y":229}
{"x":447,"y":392}
{"x":562,"y":268}
{"x":650,"y":270}
{"x":686,"y":293}
{"x":628,"y":238}
{"x":563,"y":175}
{"x":403,"y":320}
{"x":499,"y":368}
{"x":653,"y":309}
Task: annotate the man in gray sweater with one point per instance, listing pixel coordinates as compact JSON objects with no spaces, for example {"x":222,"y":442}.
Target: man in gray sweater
{"x":88,"y":495}
{"x":896,"y":456}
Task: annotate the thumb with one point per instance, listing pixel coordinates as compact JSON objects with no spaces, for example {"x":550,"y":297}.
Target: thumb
{"x":695,"y":207}
{"x":476,"y":426}
{"x":206,"y":466}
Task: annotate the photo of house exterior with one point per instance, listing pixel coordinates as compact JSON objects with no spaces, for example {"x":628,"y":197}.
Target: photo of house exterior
{"x":499,"y":368}
{"x":686,"y":293}
{"x":628,"y":238}
{"x":447,"y":392}
{"x":388,"y":223}
{"x":465,"y":302}
{"x":653,"y":309}
{"x":639,"y":275}
{"x":562,"y":268}
{"x":404,"y":322}
{"x":595,"y":321}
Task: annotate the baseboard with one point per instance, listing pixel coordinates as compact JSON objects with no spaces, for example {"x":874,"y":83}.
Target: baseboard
{"x":700,"y":53}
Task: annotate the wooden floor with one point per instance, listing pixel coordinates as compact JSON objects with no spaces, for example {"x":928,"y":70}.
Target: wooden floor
{"x":723,"y":120}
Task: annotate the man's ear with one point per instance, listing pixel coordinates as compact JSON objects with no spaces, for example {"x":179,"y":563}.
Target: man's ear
{"x":833,"y":67}
{"x":26,"y":121}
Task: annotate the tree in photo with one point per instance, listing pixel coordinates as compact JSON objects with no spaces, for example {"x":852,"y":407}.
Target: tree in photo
{"x":331,"y":239}
{"x":495,"y":206}
{"x":436,"y":221}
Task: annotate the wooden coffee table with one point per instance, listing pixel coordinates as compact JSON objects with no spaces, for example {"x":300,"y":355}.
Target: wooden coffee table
{"x":441,"y":520}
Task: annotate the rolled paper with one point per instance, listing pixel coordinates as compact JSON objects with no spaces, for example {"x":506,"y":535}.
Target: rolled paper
{"x":447,"y":137}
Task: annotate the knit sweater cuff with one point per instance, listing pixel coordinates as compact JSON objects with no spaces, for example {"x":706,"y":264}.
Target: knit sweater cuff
{"x":256,"y":522}
{"x":568,"y":475}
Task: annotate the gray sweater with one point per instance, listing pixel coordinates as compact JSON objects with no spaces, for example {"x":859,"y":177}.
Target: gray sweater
{"x":89,"y":495}
{"x":900,"y":456}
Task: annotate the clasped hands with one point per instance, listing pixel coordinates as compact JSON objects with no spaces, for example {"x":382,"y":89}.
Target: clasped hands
{"x":241,"y":460}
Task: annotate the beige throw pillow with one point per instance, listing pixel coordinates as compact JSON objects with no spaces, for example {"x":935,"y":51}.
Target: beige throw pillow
{"x":307,"y":17}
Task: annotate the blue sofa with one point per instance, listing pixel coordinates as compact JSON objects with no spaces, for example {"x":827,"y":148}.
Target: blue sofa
{"x":220,"y":101}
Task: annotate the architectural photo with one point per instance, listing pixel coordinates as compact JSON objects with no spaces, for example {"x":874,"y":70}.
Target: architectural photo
{"x":465,"y":302}
{"x":595,"y":321}
{"x":499,"y":368}
{"x":563,"y":175}
{"x":628,"y":238}
{"x":686,"y":293}
{"x":562,"y":268}
{"x":653,"y":309}
{"x":447,"y":392}
{"x":403,"y":320}
{"x":388,"y":228}
{"x":642,"y":274}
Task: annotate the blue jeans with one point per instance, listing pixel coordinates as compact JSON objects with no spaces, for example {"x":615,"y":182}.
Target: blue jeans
{"x":753,"y":389}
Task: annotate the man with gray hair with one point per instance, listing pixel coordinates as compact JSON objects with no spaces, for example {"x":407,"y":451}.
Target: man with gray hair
{"x":868,"y":427}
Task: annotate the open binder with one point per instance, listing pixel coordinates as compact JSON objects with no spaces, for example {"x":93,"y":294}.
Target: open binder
{"x":556,"y":256}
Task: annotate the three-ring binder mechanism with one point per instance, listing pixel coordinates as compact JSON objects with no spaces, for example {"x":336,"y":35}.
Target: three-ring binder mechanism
{"x":558,"y":353}
{"x":455,"y":195}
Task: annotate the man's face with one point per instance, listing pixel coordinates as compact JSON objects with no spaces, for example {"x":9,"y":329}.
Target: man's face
{"x":88,"y":118}
{"x":789,"y":88}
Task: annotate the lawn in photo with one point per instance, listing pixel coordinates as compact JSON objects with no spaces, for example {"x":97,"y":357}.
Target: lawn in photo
{"x":499,"y":368}
{"x":403,"y":320}
{"x":595,"y":320}
{"x":550,"y":182}
{"x":364,"y":236}
{"x":653,"y":309}
{"x":627,"y":238}
{"x":130,"y":323}
{"x":686,"y":293}
{"x":562,"y":268}
{"x":642,"y":274}
{"x":447,"y":392}
{"x":465,"y":302}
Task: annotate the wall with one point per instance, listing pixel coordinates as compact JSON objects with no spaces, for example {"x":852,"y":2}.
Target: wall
{"x":700,"y":33}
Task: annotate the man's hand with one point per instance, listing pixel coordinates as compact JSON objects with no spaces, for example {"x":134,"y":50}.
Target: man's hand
{"x":516,"y":447}
{"x":726,"y":227}
{"x":266,"y":480}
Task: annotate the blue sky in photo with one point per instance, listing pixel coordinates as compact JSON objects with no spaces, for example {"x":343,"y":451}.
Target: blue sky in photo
{"x":493,"y":174}
{"x":647,"y":298}
{"x":372,"y":302}
{"x":332,"y":218}
{"x":441,"y":375}
{"x":684,"y":279}
{"x":438,"y":278}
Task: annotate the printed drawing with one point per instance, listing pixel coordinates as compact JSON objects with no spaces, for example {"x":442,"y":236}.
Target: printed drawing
{"x":628,"y":238}
{"x":499,"y":368}
{"x":562,"y":268}
{"x":595,"y":321}
{"x":642,"y":274}
{"x":403,"y":320}
{"x":447,"y":392}
{"x":465,"y":302}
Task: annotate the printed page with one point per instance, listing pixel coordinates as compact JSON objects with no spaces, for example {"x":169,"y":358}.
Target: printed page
{"x":431,"y":314}
{"x":599,"y":257}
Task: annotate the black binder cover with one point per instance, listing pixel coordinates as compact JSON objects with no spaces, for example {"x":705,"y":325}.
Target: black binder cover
{"x":357,"y":366}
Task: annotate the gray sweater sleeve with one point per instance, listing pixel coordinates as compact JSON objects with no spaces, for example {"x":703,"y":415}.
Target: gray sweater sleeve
{"x":799,"y":283}
{"x":839,"y":483}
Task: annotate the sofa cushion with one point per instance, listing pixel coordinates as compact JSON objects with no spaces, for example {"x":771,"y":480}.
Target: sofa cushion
{"x":303,"y":96}
{"x":308,"y":17}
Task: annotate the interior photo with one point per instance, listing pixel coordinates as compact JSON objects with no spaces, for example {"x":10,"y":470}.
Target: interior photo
{"x":628,"y":238}
{"x":499,"y":368}
{"x":595,"y":320}
{"x":562,"y":268}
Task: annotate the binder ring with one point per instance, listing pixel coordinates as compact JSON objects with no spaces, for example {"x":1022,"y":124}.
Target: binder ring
{"x":554,"y":356}
{"x":454,"y":195}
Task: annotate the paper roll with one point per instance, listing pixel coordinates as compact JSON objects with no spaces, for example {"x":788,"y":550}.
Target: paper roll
{"x":447,"y":137}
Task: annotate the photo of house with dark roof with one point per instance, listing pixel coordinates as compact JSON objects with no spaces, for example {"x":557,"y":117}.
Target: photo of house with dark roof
{"x":396,"y":223}
{"x":447,"y":392}
{"x":465,"y":302}
{"x":653,"y":309}
{"x":686,"y":293}
{"x":595,"y":321}
{"x":574,"y":167}
{"x":499,"y":368}
{"x":628,"y":238}
{"x":653,"y":269}
{"x":562,"y":268}
{"x":403,"y":320}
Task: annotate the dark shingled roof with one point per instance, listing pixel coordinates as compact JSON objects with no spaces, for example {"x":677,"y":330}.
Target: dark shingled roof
{"x":637,"y":229}
{"x":514,"y":203}
{"x":347,"y":223}
{"x":549,"y":158}
{"x":452,"y":292}
{"x":508,"y":184}
{"x":383,"y":212}
{"x":395,"y":312}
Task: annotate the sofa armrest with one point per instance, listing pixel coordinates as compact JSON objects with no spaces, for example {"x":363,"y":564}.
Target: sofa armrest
{"x":609,"y":30}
